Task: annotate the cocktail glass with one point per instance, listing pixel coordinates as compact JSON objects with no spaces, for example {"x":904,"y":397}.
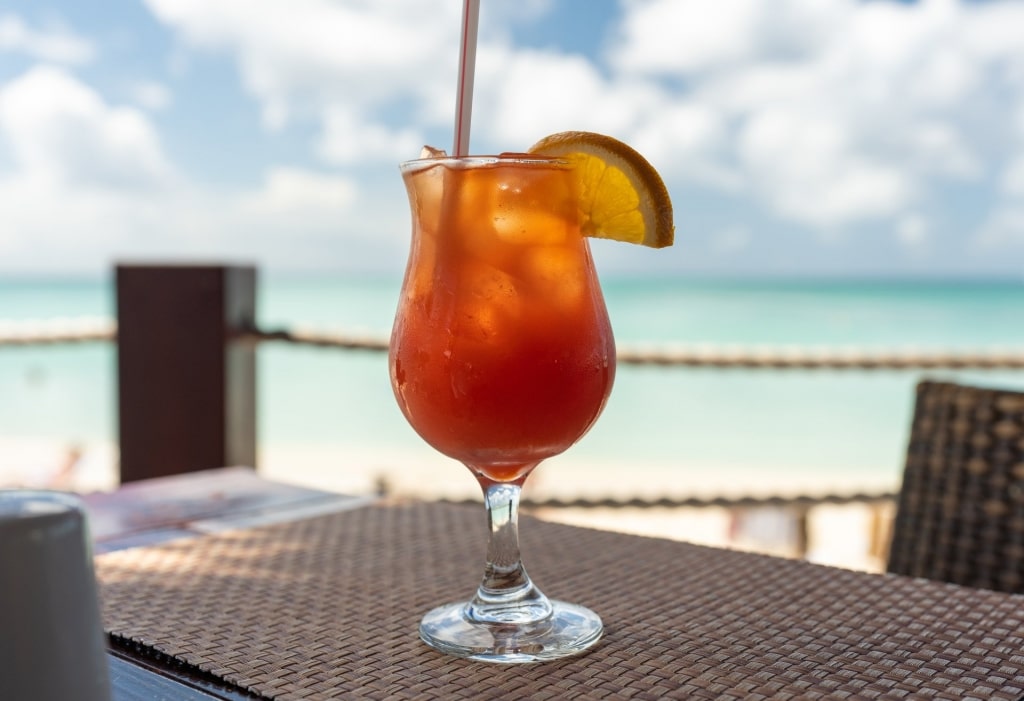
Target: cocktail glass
{"x":501,"y":356}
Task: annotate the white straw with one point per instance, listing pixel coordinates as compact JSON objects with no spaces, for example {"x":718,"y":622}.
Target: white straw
{"x":467,"y":66}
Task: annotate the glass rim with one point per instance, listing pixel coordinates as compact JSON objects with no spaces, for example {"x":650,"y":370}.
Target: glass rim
{"x":416,"y":164}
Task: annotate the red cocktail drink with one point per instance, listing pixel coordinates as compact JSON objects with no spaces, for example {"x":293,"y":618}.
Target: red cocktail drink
{"x":502,"y":354}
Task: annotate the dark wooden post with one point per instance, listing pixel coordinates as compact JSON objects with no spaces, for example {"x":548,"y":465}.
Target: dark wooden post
{"x":186,"y":392}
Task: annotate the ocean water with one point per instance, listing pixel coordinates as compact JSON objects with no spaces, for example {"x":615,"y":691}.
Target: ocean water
{"x":671,"y":428}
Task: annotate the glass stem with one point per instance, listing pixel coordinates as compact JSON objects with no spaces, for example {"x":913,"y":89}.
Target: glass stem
{"x":506,"y":594}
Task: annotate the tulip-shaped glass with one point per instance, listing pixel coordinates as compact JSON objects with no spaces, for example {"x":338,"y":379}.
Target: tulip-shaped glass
{"x":501,"y":356}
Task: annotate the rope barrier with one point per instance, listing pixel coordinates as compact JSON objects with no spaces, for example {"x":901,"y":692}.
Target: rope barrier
{"x":800,"y":502}
{"x":82,"y":331}
{"x":836,"y":359}
{"x":56,"y":331}
{"x":314,"y":338}
{"x":756,"y":358}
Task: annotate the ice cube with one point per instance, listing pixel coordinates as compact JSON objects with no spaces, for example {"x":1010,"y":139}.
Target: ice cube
{"x":534,"y":206}
{"x":431,"y":152}
{"x":426,"y":196}
{"x":524,"y":227}
{"x":489,"y":299}
{"x":558,"y":274}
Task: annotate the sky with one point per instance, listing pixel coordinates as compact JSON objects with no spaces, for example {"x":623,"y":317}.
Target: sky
{"x":796,"y":137}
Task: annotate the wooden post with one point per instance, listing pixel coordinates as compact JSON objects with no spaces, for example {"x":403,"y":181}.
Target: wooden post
{"x":186,"y":392}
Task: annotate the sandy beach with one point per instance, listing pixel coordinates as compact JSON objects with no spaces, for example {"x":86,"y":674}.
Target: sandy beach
{"x":850,"y":536}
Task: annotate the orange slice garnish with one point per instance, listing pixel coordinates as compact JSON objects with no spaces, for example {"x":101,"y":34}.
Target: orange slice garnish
{"x":622,"y":197}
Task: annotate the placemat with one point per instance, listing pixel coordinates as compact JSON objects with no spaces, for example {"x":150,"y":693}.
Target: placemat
{"x":328,"y":607}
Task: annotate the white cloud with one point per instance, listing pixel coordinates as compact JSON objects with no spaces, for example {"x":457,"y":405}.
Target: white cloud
{"x":691,"y":141}
{"x":834,"y":113}
{"x":91,"y":183}
{"x":61,"y":130}
{"x":687,"y":37}
{"x":828,"y":115}
{"x":56,"y":44}
{"x":306,"y":59}
{"x":1012,"y":181}
{"x":992,"y":33}
{"x":698,"y":39}
{"x":879,"y":99}
{"x":944,"y":77}
{"x":292,"y":219}
{"x":807,"y":167}
{"x":347,"y":140}
{"x":152,"y":95}
{"x":295,"y":191}
{"x":941,"y":149}
{"x":87,"y":175}
{"x":521,"y":96}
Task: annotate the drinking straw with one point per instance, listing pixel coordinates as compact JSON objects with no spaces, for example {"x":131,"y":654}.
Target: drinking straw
{"x":467,"y":65}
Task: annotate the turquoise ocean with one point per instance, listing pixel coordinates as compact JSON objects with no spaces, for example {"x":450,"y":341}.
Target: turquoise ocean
{"x":817,"y":429}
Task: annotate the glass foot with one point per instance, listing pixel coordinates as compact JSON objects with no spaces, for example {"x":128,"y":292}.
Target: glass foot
{"x":569,"y":630}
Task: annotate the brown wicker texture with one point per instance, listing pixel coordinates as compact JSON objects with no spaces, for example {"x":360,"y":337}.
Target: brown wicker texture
{"x":327,"y":608}
{"x":960,"y":516}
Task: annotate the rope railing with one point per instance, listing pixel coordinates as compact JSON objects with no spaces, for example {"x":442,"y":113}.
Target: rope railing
{"x":309,"y":337}
{"x":702,"y":356}
{"x":718,"y":356}
{"x":825,"y":359}
{"x":796,"y":502}
{"x":57,"y":331}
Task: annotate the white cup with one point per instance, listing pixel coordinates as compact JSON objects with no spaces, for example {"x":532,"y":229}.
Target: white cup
{"x":51,"y":638}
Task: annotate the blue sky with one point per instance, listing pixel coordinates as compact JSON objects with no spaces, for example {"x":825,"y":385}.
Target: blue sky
{"x":797,"y":137}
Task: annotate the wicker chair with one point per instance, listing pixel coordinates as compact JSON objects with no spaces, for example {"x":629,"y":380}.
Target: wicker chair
{"x":960,"y":516}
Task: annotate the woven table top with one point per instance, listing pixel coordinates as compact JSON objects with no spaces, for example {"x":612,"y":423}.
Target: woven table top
{"x":328,"y":607}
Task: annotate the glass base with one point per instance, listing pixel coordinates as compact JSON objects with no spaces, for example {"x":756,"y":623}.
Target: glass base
{"x":569,"y":630}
